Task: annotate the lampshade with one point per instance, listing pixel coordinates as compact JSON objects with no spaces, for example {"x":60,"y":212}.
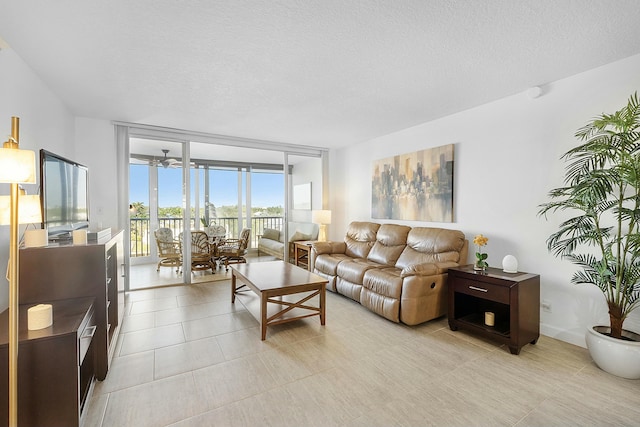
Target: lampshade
{"x":321,"y":217}
{"x":28,"y":209}
{"x":17,"y":166}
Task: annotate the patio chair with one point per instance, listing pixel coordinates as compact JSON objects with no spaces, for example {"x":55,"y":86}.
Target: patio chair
{"x":232,"y":251}
{"x":216,"y":233}
{"x":201,"y":252}
{"x":169,"y":250}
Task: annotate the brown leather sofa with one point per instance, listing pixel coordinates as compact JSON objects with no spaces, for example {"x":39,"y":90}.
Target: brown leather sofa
{"x":396,"y":271}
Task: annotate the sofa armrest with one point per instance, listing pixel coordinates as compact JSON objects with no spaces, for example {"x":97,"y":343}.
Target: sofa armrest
{"x":427,"y":268}
{"x":329,"y":247}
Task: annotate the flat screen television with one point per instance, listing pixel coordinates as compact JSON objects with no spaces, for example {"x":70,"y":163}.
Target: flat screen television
{"x":64,"y":195}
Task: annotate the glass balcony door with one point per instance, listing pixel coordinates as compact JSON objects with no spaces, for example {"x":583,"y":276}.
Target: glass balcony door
{"x":238,"y":188}
{"x":239,"y":182}
{"x":306,"y":192}
{"x":156,"y":182}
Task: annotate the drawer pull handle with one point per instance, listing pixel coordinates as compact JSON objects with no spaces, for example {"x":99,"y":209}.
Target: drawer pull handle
{"x":475,"y":288}
{"x":88,"y":333}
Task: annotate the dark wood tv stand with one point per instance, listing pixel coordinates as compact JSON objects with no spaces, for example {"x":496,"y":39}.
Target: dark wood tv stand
{"x":64,"y":270}
{"x":63,"y":274}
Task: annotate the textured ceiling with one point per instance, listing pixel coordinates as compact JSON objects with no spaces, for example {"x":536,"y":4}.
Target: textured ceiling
{"x":326,"y":73}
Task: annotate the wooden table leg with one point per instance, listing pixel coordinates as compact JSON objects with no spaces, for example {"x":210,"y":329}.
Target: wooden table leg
{"x":263,"y":315}
{"x":323,"y":297}
{"x":233,"y":288}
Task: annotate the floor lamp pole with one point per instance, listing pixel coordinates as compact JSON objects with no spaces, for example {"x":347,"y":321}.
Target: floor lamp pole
{"x":13,"y":286}
{"x":13,"y":309}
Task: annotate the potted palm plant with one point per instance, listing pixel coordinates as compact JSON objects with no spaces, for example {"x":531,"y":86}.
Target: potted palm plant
{"x":602,"y":234}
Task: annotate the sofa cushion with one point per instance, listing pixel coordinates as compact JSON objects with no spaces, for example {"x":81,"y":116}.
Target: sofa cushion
{"x":431,"y":245}
{"x":391,"y":240}
{"x":353,"y":270}
{"x":298,"y":235}
{"x":384,"y":281}
{"x":348,"y":289}
{"x":271,"y":234}
{"x":328,"y":263}
{"x":308,"y":228}
{"x":271,"y":244}
{"x":360,"y":238}
{"x":386,"y":307}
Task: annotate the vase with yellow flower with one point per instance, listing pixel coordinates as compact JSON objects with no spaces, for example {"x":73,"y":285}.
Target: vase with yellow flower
{"x":481,"y":258}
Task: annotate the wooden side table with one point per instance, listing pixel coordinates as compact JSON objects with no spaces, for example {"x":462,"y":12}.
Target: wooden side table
{"x":511,"y":299}
{"x":301,"y":251}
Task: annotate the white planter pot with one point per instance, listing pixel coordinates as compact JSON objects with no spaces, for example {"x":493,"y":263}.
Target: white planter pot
{"x":615,"y":356}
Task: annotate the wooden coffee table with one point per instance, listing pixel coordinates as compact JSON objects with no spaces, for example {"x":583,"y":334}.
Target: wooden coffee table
{"x":277,"y":284}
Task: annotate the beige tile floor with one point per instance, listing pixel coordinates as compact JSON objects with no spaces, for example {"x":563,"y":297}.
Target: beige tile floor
{"x":186,"y":356}
{"x":145,"y":276}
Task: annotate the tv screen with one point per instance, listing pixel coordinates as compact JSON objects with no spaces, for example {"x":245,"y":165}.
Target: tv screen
{"x":64,"y":194}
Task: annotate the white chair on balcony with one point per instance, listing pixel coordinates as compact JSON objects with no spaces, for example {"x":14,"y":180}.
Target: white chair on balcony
{"x":216,"y":233}
{"x":233,"y":250}
{"x":169,"y":250}
{"x":202,"y":252}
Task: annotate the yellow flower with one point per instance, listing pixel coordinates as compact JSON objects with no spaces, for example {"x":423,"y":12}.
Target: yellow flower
{"x":480,"y":240}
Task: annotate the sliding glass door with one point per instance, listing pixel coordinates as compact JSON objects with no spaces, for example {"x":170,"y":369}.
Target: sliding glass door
{"x":183,"y":181}
{"x":307,"y":192}
{"x":238,"y":188}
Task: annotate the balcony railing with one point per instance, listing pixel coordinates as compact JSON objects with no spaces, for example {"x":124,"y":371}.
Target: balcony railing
{"x":142,"y":237}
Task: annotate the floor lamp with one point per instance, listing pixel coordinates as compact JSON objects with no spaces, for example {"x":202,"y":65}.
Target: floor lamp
{"x":16,"y":167}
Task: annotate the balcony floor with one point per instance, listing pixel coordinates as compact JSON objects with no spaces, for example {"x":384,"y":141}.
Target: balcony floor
{"x":144,"y":276}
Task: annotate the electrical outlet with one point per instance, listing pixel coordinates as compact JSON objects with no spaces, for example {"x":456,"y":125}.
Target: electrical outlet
{"x":546,"y":306}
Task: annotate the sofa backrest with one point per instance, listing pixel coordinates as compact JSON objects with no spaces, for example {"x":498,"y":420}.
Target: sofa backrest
{"x":301,"y":231}
{"x":296,"y":230}
{"x":425,"y":244}
{"x":360,"y":238}
{"x":391,"y":240}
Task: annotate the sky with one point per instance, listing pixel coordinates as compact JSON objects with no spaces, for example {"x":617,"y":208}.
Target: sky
{"x":267,"y":188}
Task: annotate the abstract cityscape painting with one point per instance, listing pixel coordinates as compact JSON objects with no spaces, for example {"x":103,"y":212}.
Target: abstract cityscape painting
{"x":414,"y":187}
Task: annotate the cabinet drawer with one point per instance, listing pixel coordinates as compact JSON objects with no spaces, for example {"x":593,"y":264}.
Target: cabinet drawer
{"x":483,"y":290}
{"x":85,"y":334}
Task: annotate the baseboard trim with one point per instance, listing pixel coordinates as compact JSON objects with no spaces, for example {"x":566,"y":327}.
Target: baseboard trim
{"x":571,"y":337}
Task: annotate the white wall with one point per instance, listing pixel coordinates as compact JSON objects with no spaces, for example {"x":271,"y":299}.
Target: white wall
{"x":44,"y":123}
{"x":303,"y":172}
{"x":506,"y":160}
{"x":96,"y":148}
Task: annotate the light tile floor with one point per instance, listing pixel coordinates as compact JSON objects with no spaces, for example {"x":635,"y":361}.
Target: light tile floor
{"x":186,"y":356}
{"x":146,"y":276}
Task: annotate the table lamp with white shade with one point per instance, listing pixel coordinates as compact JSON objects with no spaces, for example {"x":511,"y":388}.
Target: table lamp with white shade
{"x":322,"y":218}
{"x":30,"y":213}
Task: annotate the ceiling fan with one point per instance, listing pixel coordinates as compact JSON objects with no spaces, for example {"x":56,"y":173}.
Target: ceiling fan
{"x":169,"y":163}
{"x":165,"y":162}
